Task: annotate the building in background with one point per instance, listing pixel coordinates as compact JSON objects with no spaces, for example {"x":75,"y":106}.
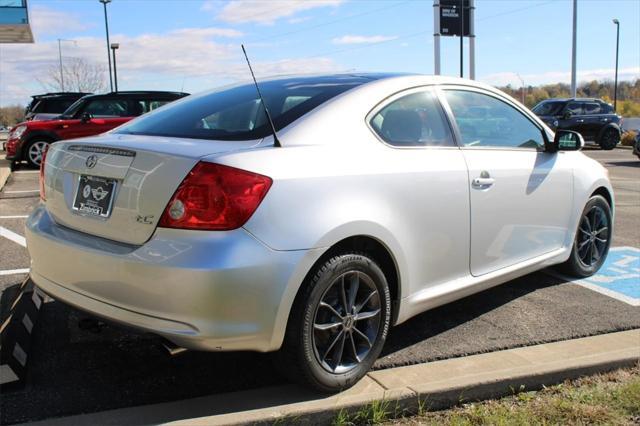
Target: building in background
{"x":14,"y":22}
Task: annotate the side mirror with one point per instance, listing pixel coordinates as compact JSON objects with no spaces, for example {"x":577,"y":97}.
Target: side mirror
{"x":567,"y":115}
{"x":567,"y":140}
{"x":86,"y":117}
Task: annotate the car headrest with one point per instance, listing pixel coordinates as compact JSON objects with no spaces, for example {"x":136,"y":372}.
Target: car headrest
{"x":402,"y":126}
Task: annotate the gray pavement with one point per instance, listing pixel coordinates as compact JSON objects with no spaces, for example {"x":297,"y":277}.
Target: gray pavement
{"x":76,"y":369}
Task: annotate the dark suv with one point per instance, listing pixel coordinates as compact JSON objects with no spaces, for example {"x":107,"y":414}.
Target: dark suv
{"x":594,"y":119}
{"x":90,"y":115}
{"x":49,"y":105}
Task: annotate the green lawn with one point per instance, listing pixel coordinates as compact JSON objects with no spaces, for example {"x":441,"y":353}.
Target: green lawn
{"x":611,"y":399}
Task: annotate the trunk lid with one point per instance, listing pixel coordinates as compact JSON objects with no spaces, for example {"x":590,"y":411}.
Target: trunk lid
{"x":129,"y":178}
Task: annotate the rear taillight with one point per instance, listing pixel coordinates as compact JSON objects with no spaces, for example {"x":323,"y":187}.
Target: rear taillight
{"x":215,"y":197}
{"x":42,"y":164}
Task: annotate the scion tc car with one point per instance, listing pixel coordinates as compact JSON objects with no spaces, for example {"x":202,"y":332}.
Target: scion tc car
{"x":90,"y":115}
{"x":385,"y":196}
{"x":594,"y":119}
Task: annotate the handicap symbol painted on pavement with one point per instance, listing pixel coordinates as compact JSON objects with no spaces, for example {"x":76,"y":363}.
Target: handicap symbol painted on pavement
{"x":619,"y":276}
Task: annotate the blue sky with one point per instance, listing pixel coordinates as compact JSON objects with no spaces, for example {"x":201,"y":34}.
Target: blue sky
{"x":194,"y":44}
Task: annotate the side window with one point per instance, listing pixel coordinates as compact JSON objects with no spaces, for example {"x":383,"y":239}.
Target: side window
{"x":592,"y":108}
{"x":108,"y":108}
{"x":486,"y":121}
{"x":143,"y":106}
{"x":606,"y":109}
{"x":413,"y":120}
{"x":574,"y":108}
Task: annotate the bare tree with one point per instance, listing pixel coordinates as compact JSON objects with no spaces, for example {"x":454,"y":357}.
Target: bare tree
{"x":79,"y":76}
{"x":10,"y":115}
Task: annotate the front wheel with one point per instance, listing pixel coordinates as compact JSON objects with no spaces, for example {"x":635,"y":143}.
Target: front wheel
{"x":35,"y":151}
{"x":338,"y":324}
{"x":592,"y":241}
{"x":609,"y":139}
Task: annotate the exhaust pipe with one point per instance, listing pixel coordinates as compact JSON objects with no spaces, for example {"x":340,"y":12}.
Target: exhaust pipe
{"x":173,"y":349}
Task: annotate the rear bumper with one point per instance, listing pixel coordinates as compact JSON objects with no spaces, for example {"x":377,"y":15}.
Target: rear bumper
{"x":200,"y":290}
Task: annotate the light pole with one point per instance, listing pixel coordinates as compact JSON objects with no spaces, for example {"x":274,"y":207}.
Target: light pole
{"x":106,"y":26}
{"x":521,"y":88}
{"x":573,"y":48}
{"x":615,"y":85}
{"x":114,"y":47}
{"x":60,"y":59}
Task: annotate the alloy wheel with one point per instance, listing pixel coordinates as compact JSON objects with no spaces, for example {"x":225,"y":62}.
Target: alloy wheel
{"x":346,"y":322}
{"x":36,"y":151}
{"x":593,"y":236}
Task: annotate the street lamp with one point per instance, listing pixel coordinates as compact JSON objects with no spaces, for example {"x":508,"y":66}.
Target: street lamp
{"x":106,"y":26}
{"x":115,"y":46}
{"x":615,"y":85}
{"x":521,"y":88}
{"x":60,"y":59}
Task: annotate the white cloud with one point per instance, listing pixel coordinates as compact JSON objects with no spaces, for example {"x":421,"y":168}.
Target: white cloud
{"x":149,"y":61}
{"x":504,"y":78}
{"x":49,"y":21}
{"x":299,"y":20}
{"x":265,"y":12}
{"x":357,"y":39}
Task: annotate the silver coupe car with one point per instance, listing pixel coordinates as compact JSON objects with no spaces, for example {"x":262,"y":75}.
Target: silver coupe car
{"x":378,"y":197}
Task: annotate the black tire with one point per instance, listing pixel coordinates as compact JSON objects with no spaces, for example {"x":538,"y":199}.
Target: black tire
{"x":306,"y":341}
{"x":29,"y":153}
{"x":595,"y":217}
{"x":609,"y":139}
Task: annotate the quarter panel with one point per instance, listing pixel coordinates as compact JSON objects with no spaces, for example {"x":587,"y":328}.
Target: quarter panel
{"x":414,"y":201}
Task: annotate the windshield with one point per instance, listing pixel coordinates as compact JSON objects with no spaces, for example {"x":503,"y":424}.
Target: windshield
{"x":236,"y":113}
{"x":73,"y":108}
{"x":548,"y":108}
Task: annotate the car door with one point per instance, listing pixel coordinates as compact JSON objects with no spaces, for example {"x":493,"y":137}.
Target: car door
{"x":594,"y":120}
{"x":572,"y":117}
{"x":106,"y":114}
{"x":520,"y":195}
{"x":426,"y":184}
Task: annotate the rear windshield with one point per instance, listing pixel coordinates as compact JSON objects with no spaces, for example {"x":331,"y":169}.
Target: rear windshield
{"x":548,"y":108}
{"x":236,"y":113}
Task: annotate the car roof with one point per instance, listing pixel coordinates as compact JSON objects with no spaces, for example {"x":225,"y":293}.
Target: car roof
{"x":136,"y":93}
{"x":575,"y":99}
{"x":60,"y":95}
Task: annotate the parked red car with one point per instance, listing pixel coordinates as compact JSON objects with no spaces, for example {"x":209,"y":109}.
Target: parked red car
{"x":90,"y":115}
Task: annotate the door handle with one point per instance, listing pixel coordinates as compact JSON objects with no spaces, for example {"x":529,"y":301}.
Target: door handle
{"x":482,"y":182}
{"x":580,"y":120}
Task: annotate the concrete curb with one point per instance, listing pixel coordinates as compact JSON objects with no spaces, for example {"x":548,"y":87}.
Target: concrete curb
{"x":438,"y":384}
{"x":5,"y":172}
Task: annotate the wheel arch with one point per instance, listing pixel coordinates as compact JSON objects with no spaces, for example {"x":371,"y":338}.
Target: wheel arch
{"x":37,"y":135}
{"x":607,"y":127}
{"x":362,"y":243}
{"x":604,"y":192}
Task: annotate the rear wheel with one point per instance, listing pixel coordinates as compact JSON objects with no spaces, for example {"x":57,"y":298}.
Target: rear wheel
{"x":338,"y":324}
{"x":609,"y":139}
{"x":592,"y":241}
{"x":35,"y":149}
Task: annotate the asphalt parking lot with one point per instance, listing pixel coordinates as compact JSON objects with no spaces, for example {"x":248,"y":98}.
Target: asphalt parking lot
{"x":78,"y":367}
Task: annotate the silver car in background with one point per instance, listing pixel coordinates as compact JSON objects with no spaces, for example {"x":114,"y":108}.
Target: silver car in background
{"x":389,"y":195}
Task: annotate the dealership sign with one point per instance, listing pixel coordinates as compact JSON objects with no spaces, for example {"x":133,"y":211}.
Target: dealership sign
{"x":454,"y":16}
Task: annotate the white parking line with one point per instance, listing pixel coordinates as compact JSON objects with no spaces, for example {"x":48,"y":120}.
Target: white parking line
{"x":22,"y":191}
{"x":10,"y":235}
{"x":26,"y":171}
{"x":15,"y":271}
{"x":15,"y":217}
